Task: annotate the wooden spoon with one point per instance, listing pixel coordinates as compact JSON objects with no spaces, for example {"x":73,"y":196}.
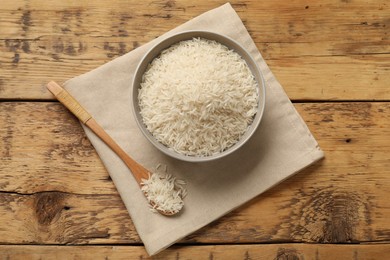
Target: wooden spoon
{"x":138,"y":171}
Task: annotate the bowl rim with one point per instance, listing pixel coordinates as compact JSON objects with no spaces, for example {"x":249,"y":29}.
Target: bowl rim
{"x":261,"y":87}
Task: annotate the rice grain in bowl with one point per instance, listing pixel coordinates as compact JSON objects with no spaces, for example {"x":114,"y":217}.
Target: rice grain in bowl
{"x":198,"y":96}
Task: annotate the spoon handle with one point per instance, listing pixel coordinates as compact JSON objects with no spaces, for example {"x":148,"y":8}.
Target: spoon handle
{"x":138,"y":171}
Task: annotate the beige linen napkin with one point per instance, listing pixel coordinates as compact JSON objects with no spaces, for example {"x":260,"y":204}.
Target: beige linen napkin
{"x":282,"y":146}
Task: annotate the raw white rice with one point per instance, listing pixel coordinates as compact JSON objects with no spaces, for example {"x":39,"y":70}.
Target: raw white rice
{"x":164,"y":192}
{"x":198,"y":97}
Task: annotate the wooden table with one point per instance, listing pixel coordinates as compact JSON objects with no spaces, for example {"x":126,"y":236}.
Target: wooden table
{"x":333,"y":59}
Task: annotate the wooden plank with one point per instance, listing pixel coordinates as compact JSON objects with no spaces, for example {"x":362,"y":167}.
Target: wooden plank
{"x":279,"y":21}
{"x":64,"y":218}
{"x":356,"y":77}
{"x":43,"y":148}
{"x":54,"y":189}
{"x":244,"y":252}
{"x":313,"y":56}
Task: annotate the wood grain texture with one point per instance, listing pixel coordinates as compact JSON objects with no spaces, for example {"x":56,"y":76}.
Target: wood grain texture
{"x":54,"y":189}
{"x":330,"y":50}
{"x":216,"y":252}
{"x":43,"y":148}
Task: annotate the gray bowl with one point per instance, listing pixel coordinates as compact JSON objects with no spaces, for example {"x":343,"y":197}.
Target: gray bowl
{"x":188,"y":35}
